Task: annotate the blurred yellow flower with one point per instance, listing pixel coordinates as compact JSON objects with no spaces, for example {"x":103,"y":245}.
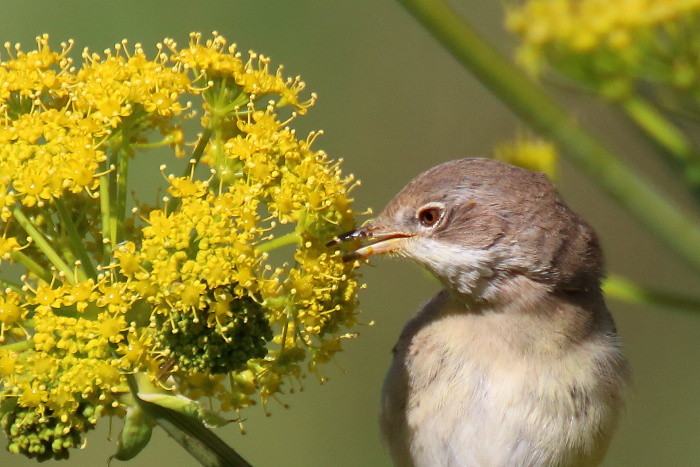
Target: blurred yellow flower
{"x":531,"y":153}
{"x":611,"y":45}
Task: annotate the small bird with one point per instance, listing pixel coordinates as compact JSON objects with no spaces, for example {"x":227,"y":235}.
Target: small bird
{"x":516,"y":362}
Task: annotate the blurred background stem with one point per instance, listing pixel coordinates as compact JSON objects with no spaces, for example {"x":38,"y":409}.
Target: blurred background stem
{"x":659,"y":129}
{"x":683,"y":159}
{"x":677,"y":229}
{"x":620,"y":288}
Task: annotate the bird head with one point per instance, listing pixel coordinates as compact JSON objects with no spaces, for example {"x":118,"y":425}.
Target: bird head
{"x":475,"y":223}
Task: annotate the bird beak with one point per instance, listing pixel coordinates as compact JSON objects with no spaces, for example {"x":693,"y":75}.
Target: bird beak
{"x":373,"y":240}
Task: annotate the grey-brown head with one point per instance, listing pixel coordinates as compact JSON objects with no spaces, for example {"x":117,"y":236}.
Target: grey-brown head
{"x":475,"y":223}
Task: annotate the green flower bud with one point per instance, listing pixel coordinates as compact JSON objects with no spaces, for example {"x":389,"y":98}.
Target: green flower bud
{"x":43,"y":436}
{"x":135,"y":435}
{"x":204,"y":345}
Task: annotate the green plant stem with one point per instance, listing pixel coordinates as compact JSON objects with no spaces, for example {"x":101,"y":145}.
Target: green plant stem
{"x":200,"y":442}
{"x":156,"y":144}
{"x":122,"y":179}
{"x":105,"y":211}
{"x":43,"y":244}
{"x":113,"y":188}
{"x":659,"y":128}
{"x":533,"y":105}
{"x":31,"y":265}
{"x":287,"y":239}
{"x":52,"y":231}
{"x":623,"y":289}
{"x":199,"y":149}
{"x":684,"y":159}
{"x":194,"y":160}
{"x":18,"y":346}
{"x":221,"y":108}
{"x":7,"y":284}
{"x":76,"y":243}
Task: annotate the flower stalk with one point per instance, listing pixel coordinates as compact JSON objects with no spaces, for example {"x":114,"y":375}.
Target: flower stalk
{"x":42,"y":242}
{"x":30,"y":265}
{"x":86,"y":268}
{"x":620,"y":288}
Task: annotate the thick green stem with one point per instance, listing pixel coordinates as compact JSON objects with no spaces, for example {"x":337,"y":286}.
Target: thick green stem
{"x":533,"y":105}
{"x":200,"y":442}
{"x":619,"y":288}
{"x":43,"y":244}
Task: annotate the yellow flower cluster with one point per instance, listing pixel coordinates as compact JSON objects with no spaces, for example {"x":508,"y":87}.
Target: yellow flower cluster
{"x":221,"y":291}
{"x":531,"y":153}
{"x":587,"y":24}
{"x":608,"y":44}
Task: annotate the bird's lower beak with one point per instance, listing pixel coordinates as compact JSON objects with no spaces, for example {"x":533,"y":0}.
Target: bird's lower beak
{"x":372,"y":240}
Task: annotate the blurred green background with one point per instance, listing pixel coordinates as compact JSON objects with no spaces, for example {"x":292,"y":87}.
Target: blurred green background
{"x":392,"y":103}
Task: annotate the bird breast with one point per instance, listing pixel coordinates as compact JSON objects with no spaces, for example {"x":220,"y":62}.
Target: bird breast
{"x":459,"y":394}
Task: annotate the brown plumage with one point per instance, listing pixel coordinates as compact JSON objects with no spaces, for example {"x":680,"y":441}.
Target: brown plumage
{"x":516,"y":362}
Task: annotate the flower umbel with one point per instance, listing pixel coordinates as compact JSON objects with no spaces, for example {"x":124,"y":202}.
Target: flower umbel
{"x":219,"y":291}
{"x":613,"y":46}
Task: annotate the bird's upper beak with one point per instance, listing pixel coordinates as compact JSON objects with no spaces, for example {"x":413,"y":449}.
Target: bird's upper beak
{"x":372,"y":239}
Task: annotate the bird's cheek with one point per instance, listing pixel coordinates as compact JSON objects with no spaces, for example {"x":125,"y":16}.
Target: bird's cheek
{"x":450,"y":261}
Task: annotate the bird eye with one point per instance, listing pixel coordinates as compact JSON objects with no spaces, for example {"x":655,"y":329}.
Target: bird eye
{"x":429,"y":216}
